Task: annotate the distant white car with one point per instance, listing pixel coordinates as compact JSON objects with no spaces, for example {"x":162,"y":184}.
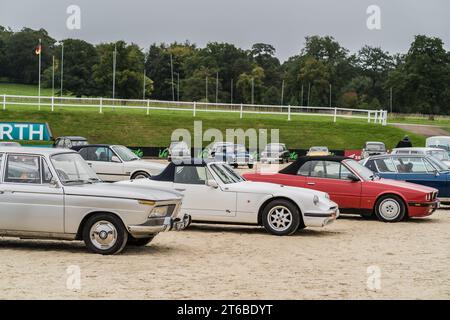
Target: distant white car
{"x":179,"y":151}
{"x":115,"y":162}
{"x":437,"y":153}
{"x":215,"y":193}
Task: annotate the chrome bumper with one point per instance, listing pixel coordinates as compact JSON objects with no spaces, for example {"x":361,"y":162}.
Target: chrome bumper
{"x":156,"y":225}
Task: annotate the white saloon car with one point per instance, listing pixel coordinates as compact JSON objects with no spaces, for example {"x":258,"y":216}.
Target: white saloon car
{"x":54,"y":194}
{"x":115,"y":162}
{"x":215,"y":193}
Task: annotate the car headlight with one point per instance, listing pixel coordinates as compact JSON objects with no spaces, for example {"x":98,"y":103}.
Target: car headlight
{"x":316,"y":200}
{"x":158,"y":212}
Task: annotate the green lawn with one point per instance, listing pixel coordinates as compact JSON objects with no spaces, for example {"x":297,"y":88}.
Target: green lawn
{"x":23,"y":89}
{"x":134,"y":128}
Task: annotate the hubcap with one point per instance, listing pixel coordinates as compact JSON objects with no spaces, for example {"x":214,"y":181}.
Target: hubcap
{"x":279,"y":218}
{"x":389,"y":209}
{"x":103,"y":235}
{"x":140,"y":176}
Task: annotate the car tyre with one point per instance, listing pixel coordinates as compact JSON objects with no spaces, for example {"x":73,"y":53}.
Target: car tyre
{"x":139,"y":242}
{"x":281,"y":217}
{"x":250,"y":166}
{"x":140,"y":175}
{"x":104,"y":234}
{"x":390,"y":208}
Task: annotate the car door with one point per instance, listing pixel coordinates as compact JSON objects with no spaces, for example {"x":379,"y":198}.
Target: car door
{"x":28,"y":201}
{"x":203,"y":202}
{"x":419,"y":170}
{"x":105,"y":163}
{"x":332,"y":177}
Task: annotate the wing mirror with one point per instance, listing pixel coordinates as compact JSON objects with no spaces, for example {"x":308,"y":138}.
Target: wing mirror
{"x":115,"y":159}
{"x":54,"y":184}
{"x":352,"y":177}
{"x":212,"y":183}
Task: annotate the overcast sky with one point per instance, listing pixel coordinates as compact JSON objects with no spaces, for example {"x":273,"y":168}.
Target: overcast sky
{"x":282,"y":23}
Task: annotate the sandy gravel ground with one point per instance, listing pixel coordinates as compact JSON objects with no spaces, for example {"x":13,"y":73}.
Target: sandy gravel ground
{"x":228,"y":262}
{"x":423,"y":129}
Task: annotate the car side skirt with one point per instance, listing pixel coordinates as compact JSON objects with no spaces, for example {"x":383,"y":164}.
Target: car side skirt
{"x":37,"y":235}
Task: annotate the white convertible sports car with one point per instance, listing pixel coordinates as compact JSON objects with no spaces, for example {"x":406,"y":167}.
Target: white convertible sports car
{"x":215,"y":193}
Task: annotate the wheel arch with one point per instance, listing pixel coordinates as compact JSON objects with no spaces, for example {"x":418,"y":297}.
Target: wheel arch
{"x":391,"y":193}
{"x":79,"y":235}
{"x":266,"y":202}
{"x":138,"y":171}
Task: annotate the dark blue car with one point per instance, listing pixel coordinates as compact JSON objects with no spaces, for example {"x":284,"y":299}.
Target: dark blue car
{"x":420,"y":169}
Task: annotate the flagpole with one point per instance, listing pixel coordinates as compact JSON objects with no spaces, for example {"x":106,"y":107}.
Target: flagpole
{"x":114,"y":72}
{"x":62,"y":68}
{"x":53,"y":76}
{"x":39,"y":81}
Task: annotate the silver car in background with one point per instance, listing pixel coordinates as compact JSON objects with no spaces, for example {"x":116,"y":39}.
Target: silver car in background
{"x":54,"y":194}
{"x":437,"y":153}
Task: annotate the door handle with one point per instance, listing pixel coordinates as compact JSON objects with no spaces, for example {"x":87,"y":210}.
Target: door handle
{"x":180,"y":189}
{"x":311,"y":184}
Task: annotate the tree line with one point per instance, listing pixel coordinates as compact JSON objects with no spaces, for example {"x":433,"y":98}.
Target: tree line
{"x":417,"y":81}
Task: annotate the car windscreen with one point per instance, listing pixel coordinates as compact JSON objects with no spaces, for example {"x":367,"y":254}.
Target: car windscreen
{"x":274,"y":148}
{"x":224,"y":173}
{"x":72,"y":169}
{"x":439,"y":154}
{"x":362,"y":171}
{"x":375,"y":147}
{"x":438,"y":164}
{"x":318,"y":149}
{"x":124,"y":153}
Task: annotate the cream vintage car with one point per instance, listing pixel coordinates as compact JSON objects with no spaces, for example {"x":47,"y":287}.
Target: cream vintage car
{"x":215,"y":193}
{"x":54,"y":194}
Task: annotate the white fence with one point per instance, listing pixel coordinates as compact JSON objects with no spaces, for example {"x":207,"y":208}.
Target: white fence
{"x":372,"y":116}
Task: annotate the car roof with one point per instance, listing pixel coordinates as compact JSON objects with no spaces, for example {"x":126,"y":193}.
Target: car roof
{"x":295,"y":166}
{"x":419,"y":149}
{"x":34,"y":150}
{"x":374,"y":142}
{"x":381,"y":156}
{"x":72,"y":138}
{"x":168,"y":173}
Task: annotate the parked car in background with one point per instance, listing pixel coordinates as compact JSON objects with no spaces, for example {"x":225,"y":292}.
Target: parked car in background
{"x":439,"y":154}
{"x":9,"y":144}
{"x":355,"y":188}
{"x":234,"y":154}
{"x":53,"y":194}
{"x":441,"y":142}
{"x":116,"y":162}
{"x":372,"y":148}
{"x":215,"y":193}
{"x":275,"y":153}
{"x":318,"y":151}
{"x":69,"y":142}
{"x":179,"y":151}
{"x":419,"y":169}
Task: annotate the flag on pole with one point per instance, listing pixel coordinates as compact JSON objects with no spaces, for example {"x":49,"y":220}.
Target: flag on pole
{"x":38,"y":49}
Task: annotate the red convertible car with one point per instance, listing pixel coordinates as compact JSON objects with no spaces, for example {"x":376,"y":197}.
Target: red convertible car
{"x":355,"y":188}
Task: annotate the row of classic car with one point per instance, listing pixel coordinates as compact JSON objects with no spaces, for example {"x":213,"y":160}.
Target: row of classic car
{"x":60,"y":193}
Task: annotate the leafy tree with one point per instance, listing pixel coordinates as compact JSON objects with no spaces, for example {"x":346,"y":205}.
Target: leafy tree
{"x":247,"y":81}
{"x":421,"y":81}
{"x":22,"y":63}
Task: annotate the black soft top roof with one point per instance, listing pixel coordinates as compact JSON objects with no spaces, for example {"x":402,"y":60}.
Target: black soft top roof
{"x":295,"y":166}
{"x":168,"y":173}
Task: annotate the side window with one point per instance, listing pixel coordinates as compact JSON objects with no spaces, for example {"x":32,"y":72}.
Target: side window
{"x":371,"y":165}
{"x":190,"y":175}
{"x":332,"y":169}
{"x":85,"y":153}
{"x":318,"y":169}
{"x":410,"y":165}
{"x":305,"y":169}
{"x":384,"y":165}
{"x":46,"y":173}
{"x":23,"y":169}
{"x":103,"y":154}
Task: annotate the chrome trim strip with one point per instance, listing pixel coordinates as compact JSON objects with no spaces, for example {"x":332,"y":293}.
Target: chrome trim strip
{"x":37,"y":235}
